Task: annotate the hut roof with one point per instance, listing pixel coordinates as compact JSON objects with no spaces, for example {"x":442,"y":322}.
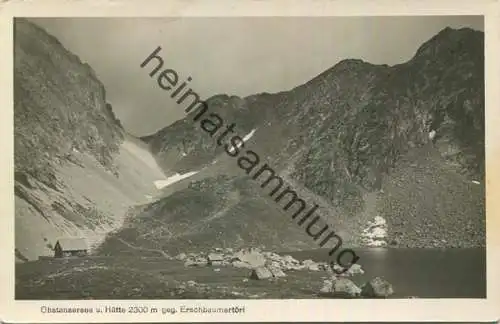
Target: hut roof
{"x":73,"y":244}
{"x":215,"y":257}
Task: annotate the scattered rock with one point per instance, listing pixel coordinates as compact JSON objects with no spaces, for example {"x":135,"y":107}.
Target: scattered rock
{"x":377,"y":288}
{"x":254,"y":258}
{"x":261,"y":273}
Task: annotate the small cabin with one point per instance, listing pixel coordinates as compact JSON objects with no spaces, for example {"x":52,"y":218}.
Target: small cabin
{"x":215,"y":259}
{"x":69,"y":247}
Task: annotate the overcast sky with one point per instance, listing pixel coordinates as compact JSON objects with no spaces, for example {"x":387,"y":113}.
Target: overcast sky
{"x":237,"y":56}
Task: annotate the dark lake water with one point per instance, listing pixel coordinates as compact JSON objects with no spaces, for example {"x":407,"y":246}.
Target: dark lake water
{"x":424,"y":273}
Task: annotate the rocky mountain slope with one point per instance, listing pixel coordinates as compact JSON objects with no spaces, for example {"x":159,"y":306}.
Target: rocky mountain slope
{"x":76,"y":169}
{"x":404,"y":142}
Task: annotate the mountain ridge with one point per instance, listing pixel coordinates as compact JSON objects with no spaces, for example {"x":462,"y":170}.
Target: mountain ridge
{"x":347,"y":133}
{"x":356,"y":139}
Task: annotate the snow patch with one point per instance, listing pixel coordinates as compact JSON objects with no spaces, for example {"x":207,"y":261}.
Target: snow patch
{"x":173,"y":179}
{"x":375,"y":233}
{"x":245,"y":138}
{"x":249,"y":135}
{"x":432,"y":134}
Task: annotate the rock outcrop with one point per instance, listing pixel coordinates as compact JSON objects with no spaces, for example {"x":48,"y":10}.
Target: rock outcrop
{"x":356,"y":129}
{"x":377,"y":288}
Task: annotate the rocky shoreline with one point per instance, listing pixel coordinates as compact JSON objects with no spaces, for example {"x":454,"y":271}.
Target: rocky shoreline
{"x":263,"y":265}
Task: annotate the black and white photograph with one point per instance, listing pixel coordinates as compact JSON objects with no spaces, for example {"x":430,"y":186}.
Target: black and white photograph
{"x":241,"y":158}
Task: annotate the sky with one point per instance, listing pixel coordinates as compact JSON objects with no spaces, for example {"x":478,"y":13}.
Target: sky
{"x":236,"y":56}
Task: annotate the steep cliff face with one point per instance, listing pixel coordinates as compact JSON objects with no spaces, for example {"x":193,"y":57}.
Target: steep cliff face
{"x":59,"y":99}
{"x":76,"y":169}
{"x":404,"y":134}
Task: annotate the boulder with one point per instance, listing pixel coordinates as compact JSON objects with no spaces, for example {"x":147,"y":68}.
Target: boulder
{"x":340,"y":288}
{"x":289,"y":259}
{"x":241,"y":264}
{"x":379,"y":221}
{"x":195,"y":262}
{"x":377,"y":288}
{"x":343,"y":287}
{"x":308,"y":262}
{"x":327,"y":287}
{"x":181,"y":256}
{"x":323,"y":266}
{"x":276,"y":272}
{"x":310,"y":265}
{"x":355,"y":269}
{"x":191,"y":283}
{"x":254,"y":258}
{"x":294,"y":267}
{"x":261,"y":273}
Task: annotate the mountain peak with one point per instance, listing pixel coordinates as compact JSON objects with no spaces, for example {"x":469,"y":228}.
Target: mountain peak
{"x":452,"y":40}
